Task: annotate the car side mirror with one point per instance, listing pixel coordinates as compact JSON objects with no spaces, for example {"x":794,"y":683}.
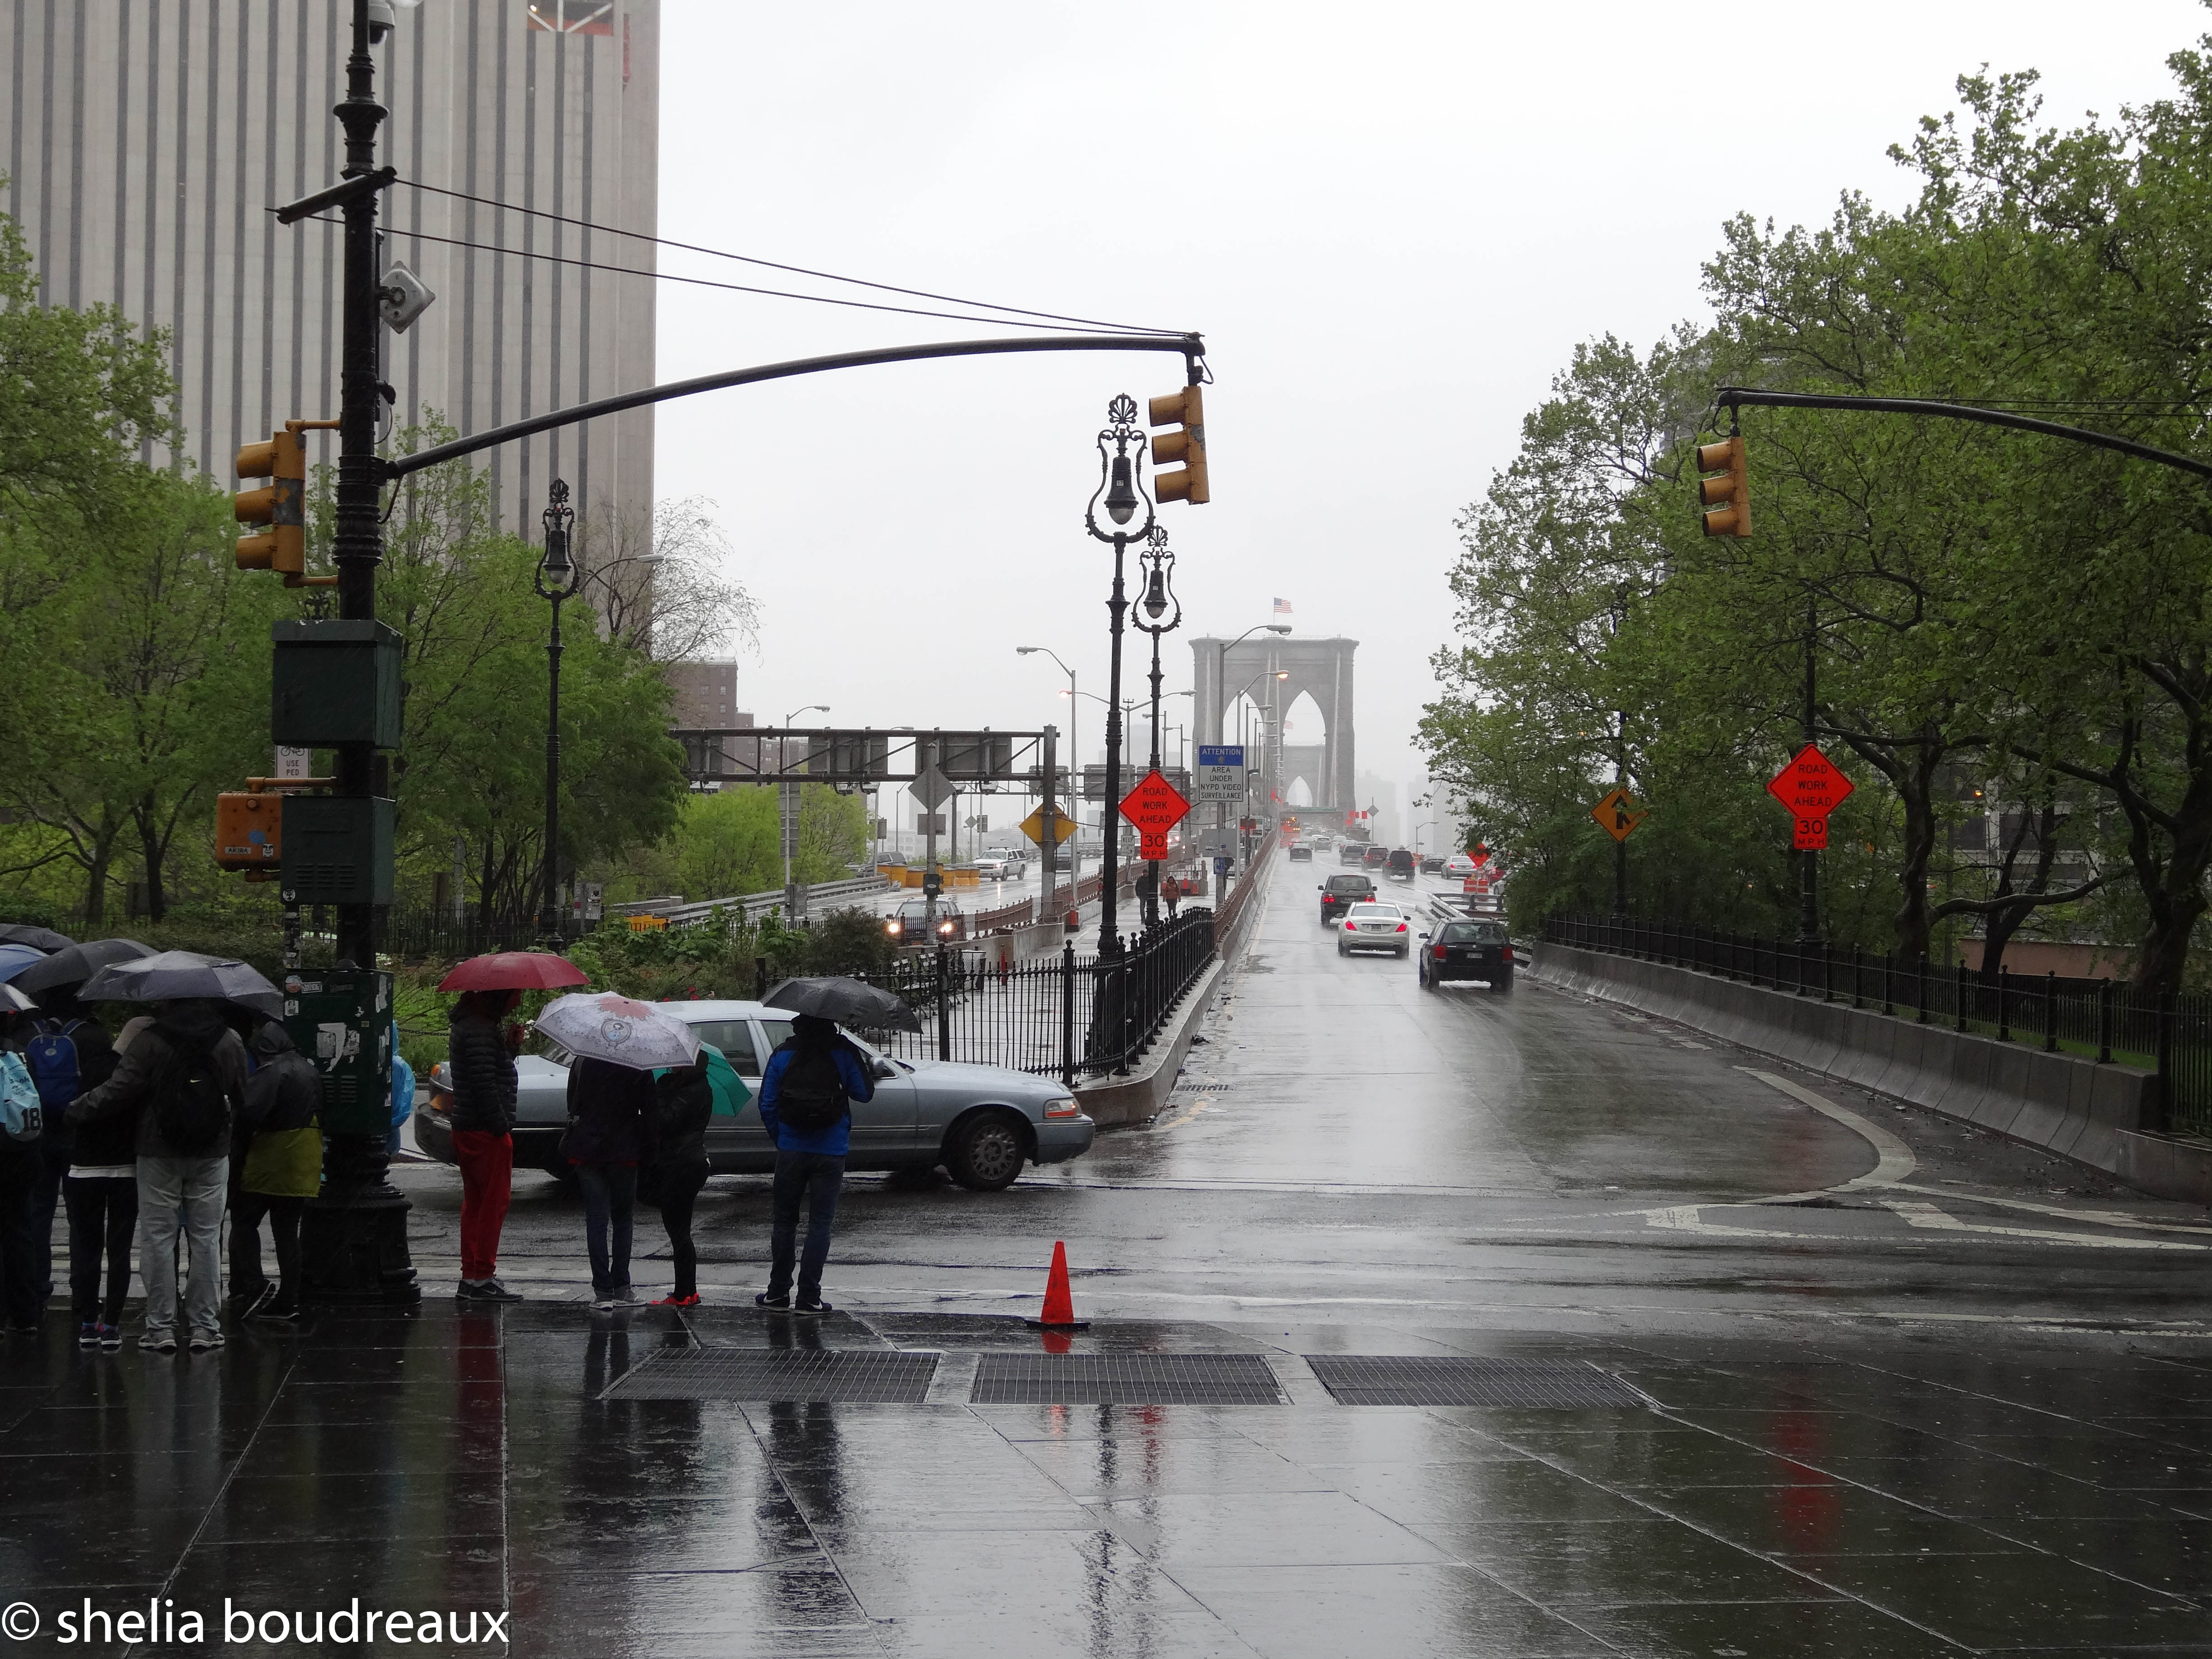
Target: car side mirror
{"x":1320,"y":887}
{"x":885,"y":1068}
{"x":1424,"y":936}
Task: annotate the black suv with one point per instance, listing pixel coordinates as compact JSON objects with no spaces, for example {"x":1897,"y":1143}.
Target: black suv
{"x":1403,"y":864}
{"x":1340,"y":893}
{"x":1467,"y":949}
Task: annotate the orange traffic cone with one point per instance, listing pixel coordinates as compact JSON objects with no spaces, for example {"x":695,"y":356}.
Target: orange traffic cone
{"x":1059,"y":1312}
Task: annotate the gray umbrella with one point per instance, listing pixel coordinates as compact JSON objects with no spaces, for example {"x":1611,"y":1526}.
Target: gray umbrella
{"x":848,"y":1001}
{"x":38,"y":938}
{"x":78,"y":963}
{"x":174,"y":975}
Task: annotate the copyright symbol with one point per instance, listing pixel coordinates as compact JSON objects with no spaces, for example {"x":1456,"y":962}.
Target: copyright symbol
{"x":19,"y":1621}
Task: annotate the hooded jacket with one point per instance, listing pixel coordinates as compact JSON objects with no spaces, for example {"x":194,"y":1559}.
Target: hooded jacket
{"x":612,"y":1114}
{"x":684,"y":1101}
{"x":483,"y":1074}
{"x":183,"y":1029}
{"x":283,"y":1154}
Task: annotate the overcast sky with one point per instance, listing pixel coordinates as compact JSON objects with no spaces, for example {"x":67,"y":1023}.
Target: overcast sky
{"x":1392,"y":222}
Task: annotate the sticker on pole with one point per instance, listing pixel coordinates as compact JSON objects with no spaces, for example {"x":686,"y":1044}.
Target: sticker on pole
{"x":1155,"y":806}
{"x":1811,"y":788}
{"x":1617,"y":815}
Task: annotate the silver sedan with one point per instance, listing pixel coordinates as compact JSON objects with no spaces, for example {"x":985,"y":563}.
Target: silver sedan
{"x":1373,"y":928}
{"x":982,"y":1122}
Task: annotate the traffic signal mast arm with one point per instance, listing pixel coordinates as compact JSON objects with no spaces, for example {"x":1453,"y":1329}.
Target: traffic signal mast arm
{"x":1734,"y":397}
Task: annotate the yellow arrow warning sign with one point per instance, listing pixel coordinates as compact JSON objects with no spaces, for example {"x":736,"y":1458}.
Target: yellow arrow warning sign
{"x":1617,"y":815}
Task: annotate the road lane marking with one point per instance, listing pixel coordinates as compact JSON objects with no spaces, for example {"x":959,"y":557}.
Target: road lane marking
{"x":1918,"y":1214}
{"x":1893,"y":1159}
{"x":2102,"y":1218}
{"x":1177,"y":1123}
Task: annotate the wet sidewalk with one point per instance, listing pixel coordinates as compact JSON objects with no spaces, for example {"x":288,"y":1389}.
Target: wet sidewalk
{"x":727,"y":1482}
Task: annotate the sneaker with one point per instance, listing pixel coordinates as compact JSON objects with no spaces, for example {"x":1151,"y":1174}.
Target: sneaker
{"x":245,"y":1302}
{"x":159,"y":1342}
{"x":110,"y":1336}
{"x":88,"y":1335}
{"x":765,"y":1300}
{"x":673,"y":1301}
{"x":473,"y":1290}
{"x":605,"y":1302}
{"x":817,"y":1306}
{"x":203,"y":1340}
{"x":627,"y":1295}
{"x":492,"y":1291}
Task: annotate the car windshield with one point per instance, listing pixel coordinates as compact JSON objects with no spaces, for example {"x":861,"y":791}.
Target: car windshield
{"x":1349,"y":885}
{"x":1376,"y":913}
{"x":1472,"y":932}
{"x":734,"y":1037}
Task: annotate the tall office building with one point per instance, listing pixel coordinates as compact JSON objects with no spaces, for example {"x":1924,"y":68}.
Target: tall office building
{"x":145,"y":140}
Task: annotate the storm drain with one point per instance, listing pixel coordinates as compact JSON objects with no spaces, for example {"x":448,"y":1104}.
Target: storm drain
{"x":1124,"y":1379}
{"x":1359,"y":1379}
{"x":813,"y":1375}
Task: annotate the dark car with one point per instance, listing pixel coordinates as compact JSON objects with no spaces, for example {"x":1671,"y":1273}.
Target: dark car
{"x":1302,"y":853}
{"x":1431,"y":863}
{"x":1402,"y":864}
{"x":909,"y":923}
{"x":1467,"y":949}
{"x":1351,"y":852}
{"x":1377,"y":857}
{"x":1340,"y":893}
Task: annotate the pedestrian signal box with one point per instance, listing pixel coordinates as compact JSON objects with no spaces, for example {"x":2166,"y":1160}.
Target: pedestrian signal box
{"x":249,"y":832}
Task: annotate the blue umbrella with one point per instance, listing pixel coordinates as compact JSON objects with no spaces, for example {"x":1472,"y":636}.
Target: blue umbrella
{"x":13,"y":959}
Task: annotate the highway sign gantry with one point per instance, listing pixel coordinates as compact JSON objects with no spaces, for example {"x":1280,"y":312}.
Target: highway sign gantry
{"x":1617,"y":815}
{"x":1155,"y":806}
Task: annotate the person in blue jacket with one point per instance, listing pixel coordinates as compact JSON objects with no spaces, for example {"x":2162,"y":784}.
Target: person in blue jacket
{"x":807,"y":1091}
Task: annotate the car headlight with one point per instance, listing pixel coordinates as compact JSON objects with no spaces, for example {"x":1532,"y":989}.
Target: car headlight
{"x":1062,"y":1106}
{"x":891,"y":927}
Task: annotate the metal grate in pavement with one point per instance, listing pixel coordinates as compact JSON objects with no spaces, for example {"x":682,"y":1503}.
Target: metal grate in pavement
{"x":846,"y":1376}
{"x":1124,"y":1379}
{"x":1357,"y":1379}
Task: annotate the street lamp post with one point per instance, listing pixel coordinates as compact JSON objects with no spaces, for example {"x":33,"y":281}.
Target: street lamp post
{"x":1120,"y":493}
{"x":788,"y":802}
{"x":1159,"y":595}
{"x":1221,"y":708}
{"x":1050,"y":856}
{"x":554,"y":582}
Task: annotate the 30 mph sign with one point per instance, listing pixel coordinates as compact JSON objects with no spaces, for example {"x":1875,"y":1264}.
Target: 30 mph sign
{"x":1155,"y":806}
{"x":1811,"y":788}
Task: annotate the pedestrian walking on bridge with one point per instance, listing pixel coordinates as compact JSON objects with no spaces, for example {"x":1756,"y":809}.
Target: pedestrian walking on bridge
{"x":808,"y":1088}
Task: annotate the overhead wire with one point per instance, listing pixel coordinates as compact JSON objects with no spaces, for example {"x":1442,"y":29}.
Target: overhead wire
{"x":772,"y":264}
{"x":735,"y":288}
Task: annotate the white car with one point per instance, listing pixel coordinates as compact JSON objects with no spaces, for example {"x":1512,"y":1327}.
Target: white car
{"x":1373,"y":928}
{"x":1001,"y":866}
{"x":1459,"y":864}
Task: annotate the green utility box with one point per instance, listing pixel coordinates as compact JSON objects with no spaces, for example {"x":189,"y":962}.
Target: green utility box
{"x":341,"y":1020}
{"x":338,"y":849}
{"x":334,"y":683}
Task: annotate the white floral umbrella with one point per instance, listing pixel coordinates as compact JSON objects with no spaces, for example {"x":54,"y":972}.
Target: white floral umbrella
{"x":602,"y":1025}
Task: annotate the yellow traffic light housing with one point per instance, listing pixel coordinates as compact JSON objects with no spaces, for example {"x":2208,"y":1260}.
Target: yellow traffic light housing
{"x":280,"y":504}
{"x":1186,"y":409}
{"x":1724,"y":488}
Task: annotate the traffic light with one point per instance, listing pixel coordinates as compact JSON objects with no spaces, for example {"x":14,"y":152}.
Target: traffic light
{"x":1724,"y":488}
{"x":280,"y":504}
{"x":1186,"y":409}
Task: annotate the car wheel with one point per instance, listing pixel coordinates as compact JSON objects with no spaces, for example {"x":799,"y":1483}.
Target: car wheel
{"x":1401,"y":953}
{"x":984,"y":1153}
{"x":1504,"y":981}
{"x":1340,"y":951}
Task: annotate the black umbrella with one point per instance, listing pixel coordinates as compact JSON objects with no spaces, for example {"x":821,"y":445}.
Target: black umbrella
{"x":38,"y":938}
{"x":175,"y":975}
{"x":848,"y":1001}
{"x":78,"y":964}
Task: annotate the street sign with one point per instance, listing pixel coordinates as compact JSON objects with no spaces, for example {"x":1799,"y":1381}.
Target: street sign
{"x":1221,"y":771}
{"x":931,"y":788}
{"x":1617,"y":815}
{"x":1155,"y":806}
{"x":1810,"y":786}
{"x":1034,"y":827}
{"x":1810,"y":836}
{"x":929,"y":824}
{"x":1153,"y":845}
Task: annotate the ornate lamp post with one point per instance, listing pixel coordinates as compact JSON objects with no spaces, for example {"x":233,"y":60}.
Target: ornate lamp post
{"x":1159,"y":595}
{"x":1121,"y":492}
{"x":555,"y":581}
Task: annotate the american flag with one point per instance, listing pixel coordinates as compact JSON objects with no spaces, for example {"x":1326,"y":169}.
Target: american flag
{"x":1282,"y":607}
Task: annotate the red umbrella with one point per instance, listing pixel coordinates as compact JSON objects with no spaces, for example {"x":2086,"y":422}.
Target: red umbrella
{"x":514,"y":970}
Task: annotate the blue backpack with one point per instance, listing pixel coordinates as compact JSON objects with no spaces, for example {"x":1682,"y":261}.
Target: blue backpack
{"x":51,"y":1056}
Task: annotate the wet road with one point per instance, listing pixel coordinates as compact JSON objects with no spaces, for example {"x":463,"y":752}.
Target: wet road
{"x":1756,"y":1366}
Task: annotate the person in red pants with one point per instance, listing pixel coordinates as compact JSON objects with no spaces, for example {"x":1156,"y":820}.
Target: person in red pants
{"x":480,"y":1060}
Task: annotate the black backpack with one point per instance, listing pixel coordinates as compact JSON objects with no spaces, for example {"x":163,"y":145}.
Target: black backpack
{"x":810,"y":1095}
{"x":191,"y":1111}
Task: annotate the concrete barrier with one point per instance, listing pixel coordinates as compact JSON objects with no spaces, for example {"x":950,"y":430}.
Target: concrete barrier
{"x":2069,"y":1107}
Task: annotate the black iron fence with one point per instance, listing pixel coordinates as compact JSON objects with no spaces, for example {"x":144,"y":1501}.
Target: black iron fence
{"x":1066,"y":1015}
{"x":2098,"y":1020}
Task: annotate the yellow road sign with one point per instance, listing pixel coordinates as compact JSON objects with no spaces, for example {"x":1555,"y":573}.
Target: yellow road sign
{"x":1063,"y":827}
{"x":1617,"y":815}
